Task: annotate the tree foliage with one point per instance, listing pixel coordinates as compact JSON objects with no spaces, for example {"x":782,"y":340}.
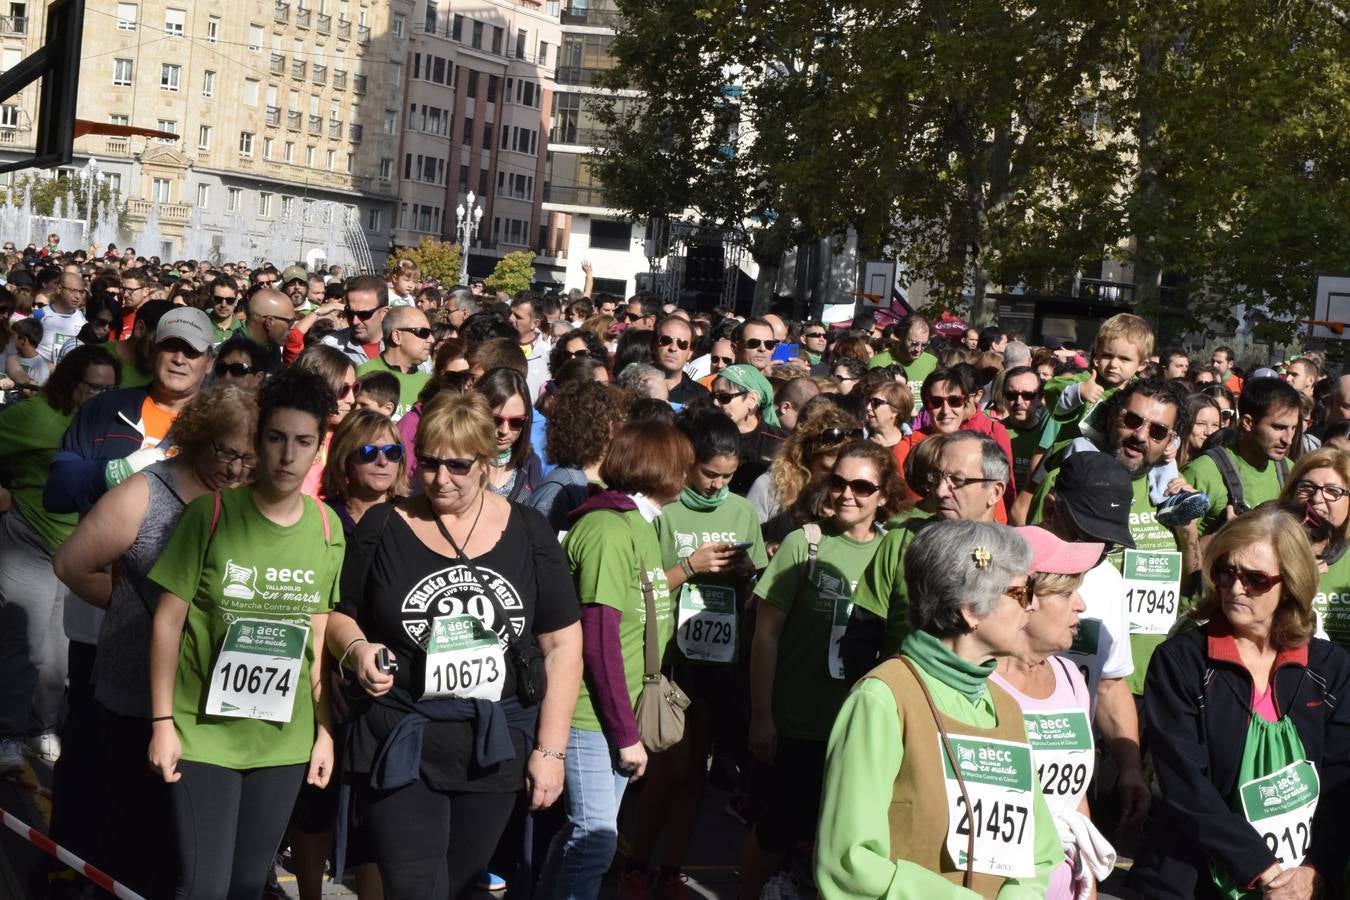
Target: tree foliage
{"x":513,"y":273}
{"x":435,"y":259}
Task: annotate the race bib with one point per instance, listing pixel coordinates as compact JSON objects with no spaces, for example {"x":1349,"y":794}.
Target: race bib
{"x":707,"y":624}
{"x":843,"y":608}
{"x":464,"y":660}
{"x":257,"y":672}
{"x":998,"y":779}
{"x":1061,"y":747}
{"x":1085,"y":652}
{"x":1152,"y":589}
{"x":1280,"y":807}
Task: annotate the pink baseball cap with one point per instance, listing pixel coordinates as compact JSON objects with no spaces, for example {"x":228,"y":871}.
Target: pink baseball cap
{"x":1053,"y":556}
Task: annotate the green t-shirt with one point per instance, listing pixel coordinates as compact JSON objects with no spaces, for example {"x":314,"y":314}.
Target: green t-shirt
{"x":883,"y":590}
{"x":1059,"y":426}
{"x":221,"y":335}
{"x":806,"y":695}
{"x":1258,"y":486}
{"x":1332,"y":601}
{"x":682,"y":530}
{"x":884,"y":358}
{"x":1025,"y":443}
{"x":915,"y":372}
{"x":410,"y":384}
{"x":30,"y":435}
{"x":251,"y":568}
{"x":604,"y":550}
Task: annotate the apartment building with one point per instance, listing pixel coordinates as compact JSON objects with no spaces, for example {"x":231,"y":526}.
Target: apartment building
{"x":279,"y":107}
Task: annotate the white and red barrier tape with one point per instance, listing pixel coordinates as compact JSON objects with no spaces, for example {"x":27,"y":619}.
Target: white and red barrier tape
{"x":51,"y":848}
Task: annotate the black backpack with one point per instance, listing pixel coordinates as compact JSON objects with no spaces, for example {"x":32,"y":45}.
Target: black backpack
{"x":1232,"y":483}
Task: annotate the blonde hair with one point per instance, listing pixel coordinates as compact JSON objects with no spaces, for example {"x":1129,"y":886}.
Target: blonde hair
{"x":361,"y":426}
{"x":790,"y":471}
{"x":463,"y":421}
{"x":1055,"y":583}
{"x":1294,"y":621}
{"x":1128,"y":328}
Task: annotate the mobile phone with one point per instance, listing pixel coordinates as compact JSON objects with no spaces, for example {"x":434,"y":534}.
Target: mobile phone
{"x":742,"y":545}
{"x":384,"y":662}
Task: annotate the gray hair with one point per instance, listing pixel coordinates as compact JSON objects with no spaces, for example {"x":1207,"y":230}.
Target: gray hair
{"x":640,"y":378}
{"x":993,"y":462}
{"x":943,"y":576}
{"x":464,"y":299}
{"x":1016,"y":354}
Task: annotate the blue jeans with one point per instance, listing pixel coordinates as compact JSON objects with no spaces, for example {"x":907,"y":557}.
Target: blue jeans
{"x":582,"y":850}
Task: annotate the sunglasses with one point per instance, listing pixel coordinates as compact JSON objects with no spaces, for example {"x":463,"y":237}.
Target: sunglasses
{"x":1025,"y":396}
{"x":666,"y":340}
{"x":433,"y":464}
{"x":877,"y":402}
{"x":102,"y":323}
{"x":722,"y":398}
{"x":351,"y":389}
{"x":1255,"y":582}
{"x":813,"y":334}
{"x":756,"y":343}
{"x":936,"y":402}
{"x":1157,"y":431}
{"x":423,"y":333}
{"x":362,"y":314}
{"x":576,"y":354}
{"x":1309,"y":489}
{"x":288,"y":322}
{"x":1226,"y":414}
{"x":368,"y":453}
{"x":236,"y":370}
{"x":515,"y":423}
{"x":98,"y":388}
{"x":631,"y":317}
{"x":859,"y":486}
{"x":837,"y":435}
{"x":1021,"y":593}
{"x":223,"y":298}
{"x":723,"y":360}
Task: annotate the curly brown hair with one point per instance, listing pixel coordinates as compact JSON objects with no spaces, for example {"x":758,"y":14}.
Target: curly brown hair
{"x":892,"y":487}
{"x":215,"y":411}
{"x":791,"y":469}
{"x":583,"y":419}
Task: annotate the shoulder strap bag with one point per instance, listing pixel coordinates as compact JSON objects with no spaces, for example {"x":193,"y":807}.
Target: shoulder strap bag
{"x":661,"y":703}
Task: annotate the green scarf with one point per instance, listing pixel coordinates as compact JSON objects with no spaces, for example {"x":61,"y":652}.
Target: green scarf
{"x":700,"y":502}
{"x":749,"y":378}
{"x":938,"y":660}
{"x":501,"y":458}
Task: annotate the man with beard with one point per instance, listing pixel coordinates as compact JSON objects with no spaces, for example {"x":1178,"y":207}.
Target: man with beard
{"x":1023,"y":402}
{"x":672,"y":348}
{"x":911,"y":337}
{"x":295,"y":284}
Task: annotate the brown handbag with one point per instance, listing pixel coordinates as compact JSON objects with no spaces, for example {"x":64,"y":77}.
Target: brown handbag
{"x":661,"y":704}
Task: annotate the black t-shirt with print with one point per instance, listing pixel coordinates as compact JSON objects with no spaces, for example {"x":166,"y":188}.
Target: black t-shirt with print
{"x":395,"y":587}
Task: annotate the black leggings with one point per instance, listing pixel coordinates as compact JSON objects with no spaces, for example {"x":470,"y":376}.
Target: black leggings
{"x":433,"y":843}
{"x":229,"y":824}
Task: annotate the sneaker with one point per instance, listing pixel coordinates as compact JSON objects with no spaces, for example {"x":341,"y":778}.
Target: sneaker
{"x":11,"y":756}
{"x":491,"y":881}
{"x":633,"y":885}
{"x":1179,"y":509}
{"x":672,"y":887}
{"x":45,"y":746}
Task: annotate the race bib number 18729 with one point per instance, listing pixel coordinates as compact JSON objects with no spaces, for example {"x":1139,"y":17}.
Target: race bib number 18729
{"x":707,"y":626}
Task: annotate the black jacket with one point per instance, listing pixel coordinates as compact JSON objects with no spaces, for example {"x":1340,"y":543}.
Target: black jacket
{"x":105,"y":427}
{"x":1197,"y":706}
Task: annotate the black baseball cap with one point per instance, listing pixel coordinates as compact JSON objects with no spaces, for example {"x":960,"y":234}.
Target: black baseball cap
{"x":1095,"y":491}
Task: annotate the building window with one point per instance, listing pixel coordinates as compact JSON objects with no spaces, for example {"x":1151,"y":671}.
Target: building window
{"x":543,"y":53}
{"x":463,"y":179}
{"x":168,"y":125}
{"x":9,"y":116}
{"x":608,"y":235}
{"x":429,"y":20}
{"x":477,"y":41}
{"x":396,"y":74}
{"x":457,"y":28}
{"x":232,"y":199}
{"x":119,"y":119}
{"x":264,"y":204}
{"x":374,"y":219}
{"x":267,"y":148}
{"x":122,"y":72}
{"x":506,"y":138}
{"x":250,"y":96}
{"x":492,"y":88}
{"x":498,"y":35}
{"x":331,"y":160}
{"x":482,"y":182}
{"x":255,"y":37}
{"x":203,"y":196}
{"x":246,"y":143}
{"x":289,"y":155}
{"x":208,"y":83}
{"x":390,"y":122}
{"x":466,"y":136}
{"x":309,"y":157}
{"x":126,"y":17}
{"x":351,"y":163}
{"x":169,"y":77}
{"x":396,"y":25}
{"x":213,"y":29}
{"x":174,"y":21}
{"x":520,"y":43}
{"x":386,"y":168}
{"x":487,"y":135}
{"x":204,"y":137}
{"x":159,"y":190}
{"x":287,"y":206}
{"x":471,"y":85}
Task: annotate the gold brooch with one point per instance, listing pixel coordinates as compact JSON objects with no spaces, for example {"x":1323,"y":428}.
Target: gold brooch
{"x":981,"y":557}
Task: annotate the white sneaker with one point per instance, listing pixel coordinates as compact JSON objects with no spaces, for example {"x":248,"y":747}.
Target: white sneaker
{"x":11,"y":756}
{"x":46,"y":747}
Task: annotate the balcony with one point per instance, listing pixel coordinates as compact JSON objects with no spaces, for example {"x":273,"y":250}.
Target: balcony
{"x":595,"y":18}
{"x":298,"y":67}
{"x":363,"y":34}
{"x":293,"y":119}
{"x":339,"y":79}
{"x":174,"y":213}
{"x":13,"y":24}
{"x":278,"y":66}
{"x":324,"y":23}
{"x":319,"y":74}
{"x":359,"y":83}
{"x":302,"y":17}
{"x":316,"y":124}
{"x":574,"y":195}
{"x":117,"y":146}
{"x":354,"y":133}
{"x":274,"y":116}
{"x":580,"y":75}
{"x":572,"y":134}
{"x":344,"y":28}
{"x":282,"y":12}
{"x":9,"y":135}
{"x":334,"y":129}
{"x":551,"y":252}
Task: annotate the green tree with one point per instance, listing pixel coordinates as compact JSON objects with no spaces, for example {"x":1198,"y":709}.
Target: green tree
{"x":513,"y":273}
{"x":435,"y":259}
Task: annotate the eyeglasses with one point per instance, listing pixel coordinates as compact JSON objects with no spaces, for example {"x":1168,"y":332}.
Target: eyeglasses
{"x":350,"y":389}
{"x":433,"y":464}
{"x":74,"y":290}
{"x":1022,"y":593}
{"x":288,"y":322}
{"x":515,"y":423}
{"x":722,"y":398}
{"x":95,"y":388}
{"x":1157,"y":431}
{"x":756,"y":343}
{"x":1254,"y":582}
{"x":267,"y":281}
{"x":102,"y":323}
{"x":955,"y":479}
{"x":226,"y":456}
{"x":362,"y":314}
{"x":1024,"y":396}
{"x":842,"y":378}
{"x":915,"y":343}
{"x":1308,"y":489}
{"x":666,"y":340}
{"x":859,"y":486}
{"x":225,"y":298}
{"x":235,"y":370}
{"x":877,"y":402}
{"x":423,"y":333}
{"x":724,"y":361}
{"x":936,"y":402}
{"x":133,"y":288}
{"x":837,"y":436}
{"x":368,"y":453}
{"x":811,"y":335}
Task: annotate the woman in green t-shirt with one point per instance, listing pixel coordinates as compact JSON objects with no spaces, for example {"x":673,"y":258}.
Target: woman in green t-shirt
{"x":1317,"y":492}
{"x":238,"y":710}
{"x":796,"y":674}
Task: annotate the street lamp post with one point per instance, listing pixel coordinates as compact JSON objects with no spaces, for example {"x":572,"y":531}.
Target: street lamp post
{"x":466,"y":229}
{"x":92,"y":179}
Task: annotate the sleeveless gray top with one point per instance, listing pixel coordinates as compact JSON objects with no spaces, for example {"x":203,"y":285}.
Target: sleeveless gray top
{"x":122,"y":667}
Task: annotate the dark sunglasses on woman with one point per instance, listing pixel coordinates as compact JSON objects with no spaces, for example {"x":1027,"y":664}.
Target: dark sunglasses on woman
{"x":368,"y":453}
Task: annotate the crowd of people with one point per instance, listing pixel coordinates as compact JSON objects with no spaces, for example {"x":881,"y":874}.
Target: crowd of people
{"x":456,"y":590}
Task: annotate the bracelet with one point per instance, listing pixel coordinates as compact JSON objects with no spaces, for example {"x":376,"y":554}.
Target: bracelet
{"x":687,"y":566}
{"x":342,"y":660}
{"x":161,"y":718}
{"x":550,"y":754}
